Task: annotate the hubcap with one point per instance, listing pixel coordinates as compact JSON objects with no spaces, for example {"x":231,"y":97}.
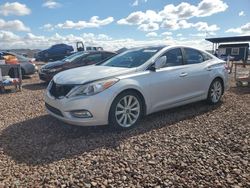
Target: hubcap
{"x":216,"y":91}
{"x":127,"y":111}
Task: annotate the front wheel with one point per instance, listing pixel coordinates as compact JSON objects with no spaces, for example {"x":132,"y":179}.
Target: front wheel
{"x":126,"y":110}
{"x":215,"y":92}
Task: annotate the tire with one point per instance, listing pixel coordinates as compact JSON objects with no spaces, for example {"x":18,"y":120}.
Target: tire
{"x":121,"y":117}
{"x":215,"y":92}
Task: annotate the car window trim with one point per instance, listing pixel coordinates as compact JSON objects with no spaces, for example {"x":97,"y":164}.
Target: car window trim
{"x":182,"y":62}
{"x":150,"y":65}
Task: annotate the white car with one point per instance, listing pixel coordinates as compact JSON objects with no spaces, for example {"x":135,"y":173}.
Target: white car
{"x":134,"y":83}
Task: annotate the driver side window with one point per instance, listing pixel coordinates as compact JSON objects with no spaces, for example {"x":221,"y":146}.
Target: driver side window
{"x":174,"y":57}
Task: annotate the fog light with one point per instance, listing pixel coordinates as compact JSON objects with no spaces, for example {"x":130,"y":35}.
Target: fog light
{"x":81,"y":114}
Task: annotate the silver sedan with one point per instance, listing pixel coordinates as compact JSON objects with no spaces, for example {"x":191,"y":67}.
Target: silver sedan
{"x":134,"y":83}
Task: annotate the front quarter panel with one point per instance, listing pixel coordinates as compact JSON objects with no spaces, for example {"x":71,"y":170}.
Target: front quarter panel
{"x":137,"y":81}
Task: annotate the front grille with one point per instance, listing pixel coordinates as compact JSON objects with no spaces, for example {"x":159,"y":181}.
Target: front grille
{"x":43,"y":70}
{"x":53,"y":110}
{"x":57,"y":90}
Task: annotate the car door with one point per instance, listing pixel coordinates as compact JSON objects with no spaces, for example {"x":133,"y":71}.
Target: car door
{"x":197,"y":75}
{"x":168,"y":84}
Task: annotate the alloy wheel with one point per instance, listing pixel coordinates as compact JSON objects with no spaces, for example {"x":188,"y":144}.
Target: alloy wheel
{"x":216,"y":91}
{"x":127,"y":111}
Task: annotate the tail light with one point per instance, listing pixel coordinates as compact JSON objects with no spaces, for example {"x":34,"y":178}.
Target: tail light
{"x":228,"y":69}
{"x":226,"y":66}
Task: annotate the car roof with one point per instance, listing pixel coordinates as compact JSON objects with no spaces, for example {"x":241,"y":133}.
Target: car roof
{"x":99,"y":51}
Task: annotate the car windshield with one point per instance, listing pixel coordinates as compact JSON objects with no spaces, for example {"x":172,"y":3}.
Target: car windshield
{"x":74,"y":57}
{"x":132,"y":58}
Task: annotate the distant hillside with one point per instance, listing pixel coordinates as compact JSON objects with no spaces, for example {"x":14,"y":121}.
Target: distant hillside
{"x":28,"y":52}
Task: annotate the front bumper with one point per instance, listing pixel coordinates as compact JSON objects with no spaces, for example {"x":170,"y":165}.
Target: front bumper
{"x":98,"y":105}
{"x":45,"y":76}
{"x":28,"y":68}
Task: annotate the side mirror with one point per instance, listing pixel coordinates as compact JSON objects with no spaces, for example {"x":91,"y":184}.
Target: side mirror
{"x":161,"y":62}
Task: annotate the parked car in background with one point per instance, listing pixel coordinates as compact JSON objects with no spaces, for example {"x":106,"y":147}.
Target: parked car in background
{"x":27,"y":64}
{"x":55,"y":52}
{"x":78,"y":59}
{"x":134,"y":83}
{"x":89,"y":48}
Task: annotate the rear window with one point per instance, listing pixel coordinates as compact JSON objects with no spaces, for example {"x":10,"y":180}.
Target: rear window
{"x":206,"y":56}
{"x":193,"y":56}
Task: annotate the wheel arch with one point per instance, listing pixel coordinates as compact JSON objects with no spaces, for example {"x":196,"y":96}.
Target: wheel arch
{"x":144,"y":105}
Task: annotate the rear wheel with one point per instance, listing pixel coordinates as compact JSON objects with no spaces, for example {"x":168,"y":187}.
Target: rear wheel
{"x":215,"y":92}
{"x":126,"y":110}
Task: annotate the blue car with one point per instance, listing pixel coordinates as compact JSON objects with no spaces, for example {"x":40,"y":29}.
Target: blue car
{"x":55,"y":52}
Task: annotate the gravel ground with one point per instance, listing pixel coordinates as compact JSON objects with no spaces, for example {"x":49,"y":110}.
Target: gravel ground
{"x":191,"y":146}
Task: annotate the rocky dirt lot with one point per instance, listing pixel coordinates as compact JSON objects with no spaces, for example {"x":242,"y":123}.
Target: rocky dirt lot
{"x":192,"y":146}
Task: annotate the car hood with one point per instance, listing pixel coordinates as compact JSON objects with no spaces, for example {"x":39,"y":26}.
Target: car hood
{"x":86,"y":74}
{"x":54,"y":64}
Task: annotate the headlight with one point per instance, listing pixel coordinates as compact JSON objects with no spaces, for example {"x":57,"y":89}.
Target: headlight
{"x":50,"y":85}
{"x":92,"y":88}
{"x":54,"y":70}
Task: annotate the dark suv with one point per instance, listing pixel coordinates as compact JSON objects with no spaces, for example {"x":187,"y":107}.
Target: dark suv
{"x":55,"y":52}
{"x":78,"y":59}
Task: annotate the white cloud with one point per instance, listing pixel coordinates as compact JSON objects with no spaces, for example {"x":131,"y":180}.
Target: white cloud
{"x":137,"y":18}
{"x":182,"y":11}
{"x":210,"y":7}
{"x":136,"y":2}
{"x":104,"y":37}
{"x":13,"y":25}
{"x":149,"y":27}
{"x":94,"y":22}
{"x":9,"y":40}
{"x":179,"y":35}
{"x":183,"y":24}
{"x":175,"y":17}
{"x":7,"y":36}
{"x":51,"y":4}
{"x":152,"y":34}
{"x":14,"y":8}
{"x":170,"y":24}
{"x":242,"y":13}
{"x":203,"y":26}
{"x":244,"y":29}
{"x":134,"y":18}
{"x":185,"y":10}
{"x":167,"y":33}
{"x":47,"y":27}
{"x":203,"y":35}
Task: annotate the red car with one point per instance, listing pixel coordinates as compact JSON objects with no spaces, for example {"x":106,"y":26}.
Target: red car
{"x":78,"y":59}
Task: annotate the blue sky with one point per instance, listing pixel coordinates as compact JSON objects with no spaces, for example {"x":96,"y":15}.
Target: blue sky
{"x":114,"y":23}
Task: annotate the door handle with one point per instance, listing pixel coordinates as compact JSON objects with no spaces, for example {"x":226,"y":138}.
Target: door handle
{"x":183,"y":74}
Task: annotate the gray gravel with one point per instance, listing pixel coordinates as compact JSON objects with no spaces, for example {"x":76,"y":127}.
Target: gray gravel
{"x":191,"y":146}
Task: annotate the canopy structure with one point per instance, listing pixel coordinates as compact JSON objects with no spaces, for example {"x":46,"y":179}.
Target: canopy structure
{"x":217,"y":41}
